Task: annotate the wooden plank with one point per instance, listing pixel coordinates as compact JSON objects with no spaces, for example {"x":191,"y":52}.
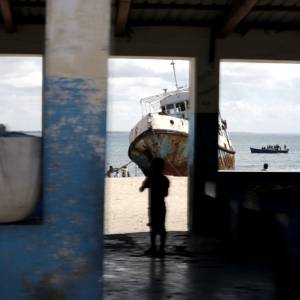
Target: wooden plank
{"x":212,"y":7}
{"x":173,"y":6}
{"x":238,"y":12}
{"x":123,"y":12}
{"x":7,"y":16}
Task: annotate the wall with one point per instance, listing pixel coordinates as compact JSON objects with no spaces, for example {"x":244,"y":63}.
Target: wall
{"x":27,"y":40}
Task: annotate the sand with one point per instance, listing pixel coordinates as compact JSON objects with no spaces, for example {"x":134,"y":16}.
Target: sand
{"x":126,"y":209}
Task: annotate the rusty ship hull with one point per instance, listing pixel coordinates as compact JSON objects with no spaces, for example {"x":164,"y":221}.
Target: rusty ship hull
{"x":226,"y":159}
{"x":160,"y":136}
{"x":169,"y":145}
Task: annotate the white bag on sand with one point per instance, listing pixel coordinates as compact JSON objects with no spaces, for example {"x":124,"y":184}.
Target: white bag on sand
{"x":20,"y":177}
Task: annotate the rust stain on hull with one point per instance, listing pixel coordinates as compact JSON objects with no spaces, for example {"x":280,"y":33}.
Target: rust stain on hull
{"x":226,"y":160}
{"x":172,"y":148}
{"x":169,"y":145}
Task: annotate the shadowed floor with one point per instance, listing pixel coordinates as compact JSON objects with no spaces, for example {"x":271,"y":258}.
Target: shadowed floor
{"x":195,"y":267}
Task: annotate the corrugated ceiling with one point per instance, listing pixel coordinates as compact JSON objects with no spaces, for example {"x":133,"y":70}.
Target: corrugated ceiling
{"x":178,"y":12}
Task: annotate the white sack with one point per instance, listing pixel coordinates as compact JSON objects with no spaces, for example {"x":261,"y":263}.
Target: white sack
{"x":20,"y":177}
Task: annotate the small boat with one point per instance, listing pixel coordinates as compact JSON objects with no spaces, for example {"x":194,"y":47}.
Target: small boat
{"x":254,"y":150}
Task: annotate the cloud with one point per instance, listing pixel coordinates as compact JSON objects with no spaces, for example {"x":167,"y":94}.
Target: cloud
{"x":130,"y":80}
{"x":21,"y":92}
{"x":254,"y":97}
{"x":260,"y":97}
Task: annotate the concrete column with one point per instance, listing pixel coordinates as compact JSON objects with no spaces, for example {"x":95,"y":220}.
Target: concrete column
{"x":204,"y":212}
{"x":62,"y":258}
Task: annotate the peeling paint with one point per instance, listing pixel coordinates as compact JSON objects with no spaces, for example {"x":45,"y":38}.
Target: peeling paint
{"x":98,"y":144}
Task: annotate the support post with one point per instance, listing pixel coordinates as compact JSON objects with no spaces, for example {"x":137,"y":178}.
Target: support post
{"x":62,"y":258}
{"x":206,"y":215}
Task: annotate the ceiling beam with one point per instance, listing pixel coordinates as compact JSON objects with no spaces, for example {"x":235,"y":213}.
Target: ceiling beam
{"x":242,"y":26}
{"x":122,"y":17}
{"x":235,"y":15}
{"x":199,"y":7}
{"x":28,"y":4}
{"x":213,"y":7}
{"x":7,"y":16}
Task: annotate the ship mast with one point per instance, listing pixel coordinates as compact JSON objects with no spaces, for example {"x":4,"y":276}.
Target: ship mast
{"x":173,"y":64}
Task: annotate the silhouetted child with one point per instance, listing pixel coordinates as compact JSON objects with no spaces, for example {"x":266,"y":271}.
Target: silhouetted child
{"x":158,"y":185}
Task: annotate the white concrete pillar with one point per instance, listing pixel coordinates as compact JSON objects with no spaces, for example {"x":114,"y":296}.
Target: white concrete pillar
{"x":77,"y":42}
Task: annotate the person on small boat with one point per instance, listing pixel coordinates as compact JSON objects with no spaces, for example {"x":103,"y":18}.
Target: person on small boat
{"x":285,"y":147}
{"x":265,"y":167}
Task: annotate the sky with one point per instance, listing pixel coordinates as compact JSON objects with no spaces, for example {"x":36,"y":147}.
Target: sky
{"x":260,"y":97}
{"x":254,"y":97}
{"x":130,"y":80}
{"x":21,"y":93}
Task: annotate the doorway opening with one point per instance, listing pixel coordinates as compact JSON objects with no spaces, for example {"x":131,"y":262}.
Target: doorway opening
{"x":143,"y":95}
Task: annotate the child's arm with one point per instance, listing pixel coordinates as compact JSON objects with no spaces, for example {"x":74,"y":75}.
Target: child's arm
{"x":145,"y":185}
{"x":166,"y":188}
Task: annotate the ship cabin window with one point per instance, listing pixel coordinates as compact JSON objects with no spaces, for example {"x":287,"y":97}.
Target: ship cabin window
{"x":170,"y":106}
{"x":163,"y":108}
{"x":180,"y":105}
{"x":187,"y":105}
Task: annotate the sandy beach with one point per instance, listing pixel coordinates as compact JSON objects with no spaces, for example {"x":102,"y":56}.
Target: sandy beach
{"x":126,"y":209}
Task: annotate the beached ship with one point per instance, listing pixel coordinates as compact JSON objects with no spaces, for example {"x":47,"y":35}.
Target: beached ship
{"x":163,"y":132}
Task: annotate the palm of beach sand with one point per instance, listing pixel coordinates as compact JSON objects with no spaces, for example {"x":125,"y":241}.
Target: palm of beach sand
{"x":126,"y":209}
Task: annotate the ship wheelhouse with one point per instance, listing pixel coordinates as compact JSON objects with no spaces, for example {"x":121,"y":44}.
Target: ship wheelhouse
{"x":176,"y":105}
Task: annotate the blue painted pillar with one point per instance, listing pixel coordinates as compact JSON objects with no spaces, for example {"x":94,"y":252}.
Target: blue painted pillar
{"x":206,"y":215}
{"x":62,"y":258}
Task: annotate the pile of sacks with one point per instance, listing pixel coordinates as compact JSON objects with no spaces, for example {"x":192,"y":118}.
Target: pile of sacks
{"x":20,"y":175}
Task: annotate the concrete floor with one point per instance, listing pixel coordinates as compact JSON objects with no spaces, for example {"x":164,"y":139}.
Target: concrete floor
{"x":195,"y":267}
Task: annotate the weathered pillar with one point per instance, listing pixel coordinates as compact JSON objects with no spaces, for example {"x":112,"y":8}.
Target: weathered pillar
{"x":206,"y":215}
{"x":62,"y":258}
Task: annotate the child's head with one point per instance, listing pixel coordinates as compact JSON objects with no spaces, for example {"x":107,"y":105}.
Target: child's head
{"x":158,"y":165}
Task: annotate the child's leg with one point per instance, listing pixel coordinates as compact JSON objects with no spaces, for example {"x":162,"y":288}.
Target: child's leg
{"x":162,"y":240}
{"x":162,"y":232}
{"x":153,"y":234}
{"x":152,"y":249}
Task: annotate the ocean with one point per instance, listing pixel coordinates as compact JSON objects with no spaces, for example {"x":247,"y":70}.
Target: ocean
{"x":118,"y":144}
{"x":247,"y":161}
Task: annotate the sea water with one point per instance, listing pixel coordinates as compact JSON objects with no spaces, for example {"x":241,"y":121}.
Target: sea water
{"x":245,"y":160}
{"x":117,"y":144}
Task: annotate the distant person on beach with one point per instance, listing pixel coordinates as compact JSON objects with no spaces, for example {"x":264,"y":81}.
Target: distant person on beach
{"x":265,"y":167}
{"x":124,"y":172}
{"x":117,"y":174}
{"x":109,"y":172}
{"x":159,"y":186}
